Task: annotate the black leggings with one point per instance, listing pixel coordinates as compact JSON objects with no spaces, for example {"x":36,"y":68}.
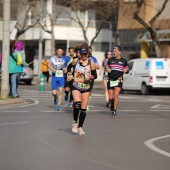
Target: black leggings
{"x":79,"y":113}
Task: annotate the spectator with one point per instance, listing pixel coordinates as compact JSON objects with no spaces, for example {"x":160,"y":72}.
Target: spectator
{"x":44,"y":69}
{"x":19,"y":48}
{"x":13,"y":70}
{"x":0,"y":62}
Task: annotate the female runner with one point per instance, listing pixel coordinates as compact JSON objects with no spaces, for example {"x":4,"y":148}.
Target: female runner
{"x":83,"y":75}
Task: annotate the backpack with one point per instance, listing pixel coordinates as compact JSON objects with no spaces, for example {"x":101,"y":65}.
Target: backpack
{"x":19,"y":59}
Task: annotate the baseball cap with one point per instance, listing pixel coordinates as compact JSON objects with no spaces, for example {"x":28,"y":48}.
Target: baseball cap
{"x":83,"y":50}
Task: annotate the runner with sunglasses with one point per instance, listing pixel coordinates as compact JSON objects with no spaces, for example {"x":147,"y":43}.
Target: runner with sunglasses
{"x":84,"y":73}
{"x":117,"y":66}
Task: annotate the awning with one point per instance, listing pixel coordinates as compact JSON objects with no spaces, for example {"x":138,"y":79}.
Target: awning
{"x":162,"y":35}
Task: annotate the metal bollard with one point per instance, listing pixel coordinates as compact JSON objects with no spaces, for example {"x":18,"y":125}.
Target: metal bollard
{"x":42,"y":80}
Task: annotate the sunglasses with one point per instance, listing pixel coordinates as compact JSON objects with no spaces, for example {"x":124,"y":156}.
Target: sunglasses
{"x":117,"y":48}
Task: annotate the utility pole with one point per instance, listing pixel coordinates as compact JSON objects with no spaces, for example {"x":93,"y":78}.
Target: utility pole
{"x":5,"y":49}
{"x":40,"y":47}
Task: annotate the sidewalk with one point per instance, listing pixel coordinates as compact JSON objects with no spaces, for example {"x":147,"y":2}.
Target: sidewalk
{"x":11,"y":101}
{"x":97,"y":86}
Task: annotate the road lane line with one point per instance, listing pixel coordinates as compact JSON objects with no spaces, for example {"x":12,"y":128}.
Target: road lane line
{"x":149,"y":144}
{"x":16,"y":111}
{"x":160,"y":110}
{"x":16,"y":123}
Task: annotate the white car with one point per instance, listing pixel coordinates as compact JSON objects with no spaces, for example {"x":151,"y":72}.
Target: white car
{"x":27,"y":75}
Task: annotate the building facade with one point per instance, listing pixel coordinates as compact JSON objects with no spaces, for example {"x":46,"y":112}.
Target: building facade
{"x":137,"y":34}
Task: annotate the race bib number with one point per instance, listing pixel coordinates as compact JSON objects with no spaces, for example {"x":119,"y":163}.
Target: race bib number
{"x":83,"y":86}
{"x":59,"y":73}
{"x":113,"y":83}
{"x":106,"y":73}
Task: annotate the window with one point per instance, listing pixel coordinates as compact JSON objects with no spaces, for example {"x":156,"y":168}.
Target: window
{"x":130,"y":65}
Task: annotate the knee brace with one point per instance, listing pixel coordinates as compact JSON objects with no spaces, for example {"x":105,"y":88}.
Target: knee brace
{"x":83,"y":110}
{"x":77,"y":105}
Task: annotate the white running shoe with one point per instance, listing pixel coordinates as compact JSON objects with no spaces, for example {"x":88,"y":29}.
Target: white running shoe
{"x":81,"y":131}
{"x":75,"y":127}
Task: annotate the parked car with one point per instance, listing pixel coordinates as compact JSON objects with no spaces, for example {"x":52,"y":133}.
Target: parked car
{"x":27,"y":75}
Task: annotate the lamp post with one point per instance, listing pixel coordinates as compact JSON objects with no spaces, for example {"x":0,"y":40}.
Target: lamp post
{"x":5,"y":49}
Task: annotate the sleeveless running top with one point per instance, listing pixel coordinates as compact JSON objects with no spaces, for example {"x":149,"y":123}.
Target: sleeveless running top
{"x":80,"y":76}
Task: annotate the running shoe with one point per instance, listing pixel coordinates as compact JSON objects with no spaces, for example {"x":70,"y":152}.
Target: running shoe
{"x":70,"y":105}
{"x":58,"y":107}
{"x":81,"y":131}
{"x":87,"y":109}
{"x":55,"y":100}
{"x":111,"y":107}
{"x":75,"y":127}
{"x":107,"y":104}
{"x":114,"y":113}
{"x":66,"y":97}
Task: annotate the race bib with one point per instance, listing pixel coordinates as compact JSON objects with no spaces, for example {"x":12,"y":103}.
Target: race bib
{"x":83,"y":86}
{"x":59,"y":73}
{"x":114,"y":83}
{"x":106,"y":73}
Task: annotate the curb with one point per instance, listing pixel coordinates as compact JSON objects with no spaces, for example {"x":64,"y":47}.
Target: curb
{"x":11,"y":101}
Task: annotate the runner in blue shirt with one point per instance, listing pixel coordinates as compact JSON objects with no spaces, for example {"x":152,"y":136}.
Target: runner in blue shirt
{"x":58,"y":66}
{"x":68,"y":85}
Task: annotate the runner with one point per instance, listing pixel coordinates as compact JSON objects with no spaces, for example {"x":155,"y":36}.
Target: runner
{"x":84,"y":73}
{"x":58,"y":65}
{"x":108,"y":54}
{"x":68,"y":85}
{"x":97,"y":68}
{"x":116,"y":67}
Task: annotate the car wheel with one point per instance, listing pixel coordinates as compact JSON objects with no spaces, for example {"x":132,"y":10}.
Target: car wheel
{"x":144,"y":89}
{"x":28,"y":82}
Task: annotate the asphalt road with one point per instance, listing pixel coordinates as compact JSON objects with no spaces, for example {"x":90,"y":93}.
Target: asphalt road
{"x":34,"y":136}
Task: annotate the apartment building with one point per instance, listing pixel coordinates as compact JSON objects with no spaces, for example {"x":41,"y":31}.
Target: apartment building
{"x":134,"y":36}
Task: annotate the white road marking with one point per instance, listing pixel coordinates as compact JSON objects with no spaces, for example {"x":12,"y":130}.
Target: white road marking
{"x":160,"y":107}
{"x":149,"y":144}
{"x":35,"y":103}
{"x":56,"y":111}
{"x":96,"y":111}
{"x":160,"y":110}
{"x":15,"y":111}
{"x":16,"y":123}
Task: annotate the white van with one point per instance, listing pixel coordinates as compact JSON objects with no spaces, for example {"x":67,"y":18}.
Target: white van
{"x":147,"y":74}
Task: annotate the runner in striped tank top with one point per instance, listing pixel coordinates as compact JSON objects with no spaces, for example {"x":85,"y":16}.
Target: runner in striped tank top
{"x":117,"y":66}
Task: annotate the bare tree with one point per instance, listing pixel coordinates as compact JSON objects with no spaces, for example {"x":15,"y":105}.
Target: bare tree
{"x":50,"y":11}
{"x":150,"y":26}
{"x":100,"y":9}
{"x":26,"y":11}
